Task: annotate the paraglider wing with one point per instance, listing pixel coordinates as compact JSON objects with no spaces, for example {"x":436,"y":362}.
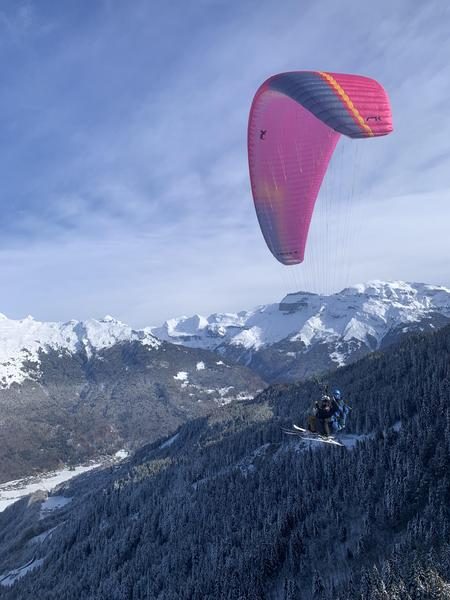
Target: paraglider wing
{"x":295,"y":123}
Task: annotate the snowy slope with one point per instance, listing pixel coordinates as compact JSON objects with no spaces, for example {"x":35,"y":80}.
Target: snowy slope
{"x":359,"y":312}
{"x":22,"y":342}
{"x":362,"y":316}
{"x":11,"y":491}
{"x":358,"y":316}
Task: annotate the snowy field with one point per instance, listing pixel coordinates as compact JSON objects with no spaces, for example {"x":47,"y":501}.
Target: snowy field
{"x":11,"y":491}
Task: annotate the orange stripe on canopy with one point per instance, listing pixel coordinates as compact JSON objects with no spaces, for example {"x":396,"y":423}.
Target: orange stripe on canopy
{"x":348,"y":103}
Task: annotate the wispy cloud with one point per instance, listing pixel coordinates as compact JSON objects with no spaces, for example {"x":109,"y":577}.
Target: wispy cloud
{"x":125,"y":186}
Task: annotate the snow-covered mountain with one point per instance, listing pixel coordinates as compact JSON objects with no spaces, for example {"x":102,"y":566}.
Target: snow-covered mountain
{"x":22,"y":342}
{"x":306,"y":333}
{"x":302,"y":334}
{"x":73,"y":391}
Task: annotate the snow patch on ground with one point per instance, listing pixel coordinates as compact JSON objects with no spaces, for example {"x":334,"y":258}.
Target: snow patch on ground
{"x":53,"y":503}
{"x":12,"y":491}
{"x":223,"y":391}
{"x":9,"y":578}
{"x":38,"y":539}
{"x":338,"y":358}
{"x":181,"y":376}
{"x":244,"y":396}
{"x":200,"y":366}
{"x":121,"y":454}
{"x":350,"y":440}
{"x":224,"y":395}
{"x":169,"y":442}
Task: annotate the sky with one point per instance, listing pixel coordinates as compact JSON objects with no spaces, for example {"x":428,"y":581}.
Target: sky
{"x":124,"y":184}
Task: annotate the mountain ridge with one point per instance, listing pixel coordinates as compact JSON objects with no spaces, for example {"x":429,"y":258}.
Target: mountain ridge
{"x":306,"y":333}
{"x":23,"y":341}
{"x":342,"y":326}
{"x":70,"y":391}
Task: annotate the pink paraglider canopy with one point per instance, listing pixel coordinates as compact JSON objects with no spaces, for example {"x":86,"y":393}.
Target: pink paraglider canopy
{"x":295,"y":123}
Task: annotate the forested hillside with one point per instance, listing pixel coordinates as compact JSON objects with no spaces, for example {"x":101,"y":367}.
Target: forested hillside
{"x":73,"y":407}
{"x":230,"y":508}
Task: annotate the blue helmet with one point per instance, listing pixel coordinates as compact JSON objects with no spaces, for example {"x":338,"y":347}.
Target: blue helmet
{"x":337,"y":394}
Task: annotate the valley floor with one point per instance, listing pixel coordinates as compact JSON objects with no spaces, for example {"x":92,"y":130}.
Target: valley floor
{"x":11,"y":491}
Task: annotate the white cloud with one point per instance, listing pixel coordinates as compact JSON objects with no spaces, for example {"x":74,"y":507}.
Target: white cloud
{"x":133,"y":194}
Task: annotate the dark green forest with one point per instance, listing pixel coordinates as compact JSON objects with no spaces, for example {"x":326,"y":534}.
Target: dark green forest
{"x":231,"y":508}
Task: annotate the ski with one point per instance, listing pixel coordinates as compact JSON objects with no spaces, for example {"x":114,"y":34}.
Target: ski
{"x":307,"y":435}
{"x":330,"y":438}
{"x":301,"y":429}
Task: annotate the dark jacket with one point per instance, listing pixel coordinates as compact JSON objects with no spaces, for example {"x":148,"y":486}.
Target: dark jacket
{"x":325,"y":413}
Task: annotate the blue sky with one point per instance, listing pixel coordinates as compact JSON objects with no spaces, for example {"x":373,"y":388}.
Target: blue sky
{"x":124,"y":183}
